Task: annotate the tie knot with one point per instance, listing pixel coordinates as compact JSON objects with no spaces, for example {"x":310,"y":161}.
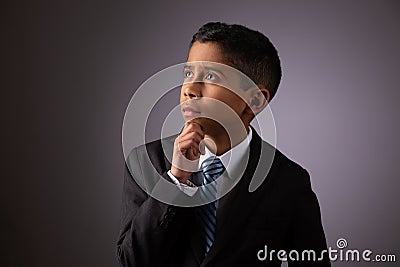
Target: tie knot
{"x":212,"y":168}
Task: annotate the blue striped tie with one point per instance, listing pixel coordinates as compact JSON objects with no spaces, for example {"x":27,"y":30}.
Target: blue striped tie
{"x":212,"y":168}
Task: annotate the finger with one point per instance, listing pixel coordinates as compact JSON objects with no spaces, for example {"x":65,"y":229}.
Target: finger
{"x":202,"y":148}
{"x":192,"y":127}
{"x":192,"y":135}
{"x":192,"y":154}
{"x":187,"y":144}
{"x":197,"y":125}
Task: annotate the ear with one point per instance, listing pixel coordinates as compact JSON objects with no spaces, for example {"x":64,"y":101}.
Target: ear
{"x":259,"y":99}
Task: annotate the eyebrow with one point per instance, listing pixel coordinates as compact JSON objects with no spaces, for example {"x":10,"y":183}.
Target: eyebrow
{"x":189,"y":67}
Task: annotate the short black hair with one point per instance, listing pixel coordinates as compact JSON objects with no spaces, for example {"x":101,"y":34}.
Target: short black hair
{"x":247,"y":50}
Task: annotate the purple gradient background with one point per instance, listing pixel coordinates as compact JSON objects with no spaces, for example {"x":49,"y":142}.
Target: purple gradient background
{"x":72,"y":67}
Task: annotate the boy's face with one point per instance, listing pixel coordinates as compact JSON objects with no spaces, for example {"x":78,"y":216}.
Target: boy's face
{"x":200,"y":96}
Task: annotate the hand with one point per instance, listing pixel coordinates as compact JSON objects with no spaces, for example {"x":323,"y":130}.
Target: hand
{"x":187,"y":151}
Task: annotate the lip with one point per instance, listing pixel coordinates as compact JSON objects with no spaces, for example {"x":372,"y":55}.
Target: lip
{"x":189,"y":111}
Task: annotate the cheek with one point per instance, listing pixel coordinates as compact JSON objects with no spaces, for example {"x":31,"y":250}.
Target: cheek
{"x":222,"y":109}
{"x":239,"y":103}
{"x":235,"y":103}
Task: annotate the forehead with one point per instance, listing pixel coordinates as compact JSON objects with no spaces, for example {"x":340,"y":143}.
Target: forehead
{"x":208,"y":51}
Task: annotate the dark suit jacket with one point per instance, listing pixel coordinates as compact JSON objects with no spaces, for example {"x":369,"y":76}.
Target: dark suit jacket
{"x":283,"y":213}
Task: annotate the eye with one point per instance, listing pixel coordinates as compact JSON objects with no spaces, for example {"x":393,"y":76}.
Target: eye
{"x":188,"y":74}
{"x":210,"y":76}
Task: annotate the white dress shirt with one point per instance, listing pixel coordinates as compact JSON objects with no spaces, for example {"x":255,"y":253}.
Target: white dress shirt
{"x":230,"y":159}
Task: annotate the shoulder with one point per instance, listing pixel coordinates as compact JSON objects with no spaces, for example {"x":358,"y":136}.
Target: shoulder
{"x":155,"y":153}
{"x":158,"y":147}
{"x":286,"y":172}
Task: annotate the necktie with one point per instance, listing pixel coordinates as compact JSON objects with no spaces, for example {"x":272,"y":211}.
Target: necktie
{"x":212,"y":168}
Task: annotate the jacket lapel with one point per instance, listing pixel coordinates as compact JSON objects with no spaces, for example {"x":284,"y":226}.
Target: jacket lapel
{"x":168,"y":147}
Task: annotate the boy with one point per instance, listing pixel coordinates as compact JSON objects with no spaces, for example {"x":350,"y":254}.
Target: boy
{"x":236,"y":227}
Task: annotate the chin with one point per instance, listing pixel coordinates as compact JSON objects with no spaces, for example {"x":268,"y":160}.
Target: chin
{"x":208,"y":125}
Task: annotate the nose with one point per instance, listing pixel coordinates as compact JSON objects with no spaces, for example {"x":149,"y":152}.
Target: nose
{"x":192,"y":91}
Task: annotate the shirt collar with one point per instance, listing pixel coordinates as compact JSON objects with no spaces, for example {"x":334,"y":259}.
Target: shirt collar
{"x":232,"y":157}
